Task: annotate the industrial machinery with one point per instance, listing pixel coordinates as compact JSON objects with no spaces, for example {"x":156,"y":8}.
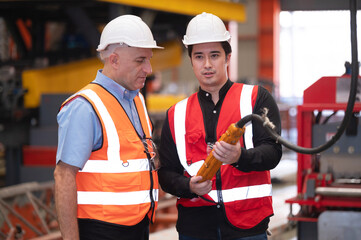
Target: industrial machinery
{"x":27,"y":211}
{"x":47,"y":52}
{"x":328,"y":183}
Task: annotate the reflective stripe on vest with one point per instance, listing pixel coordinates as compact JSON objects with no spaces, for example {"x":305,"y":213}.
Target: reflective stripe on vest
{"x":246,"y":109}
{"x":114,"y":163}
{"x":228,"y":195}
{"x":180,"y":131}
{"x":145,"y":110}
{"x":112,"y":186}
{"x":112,"y":198}
{"x":242,"y":193}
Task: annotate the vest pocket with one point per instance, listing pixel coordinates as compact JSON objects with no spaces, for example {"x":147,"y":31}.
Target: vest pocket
{"x":196,"y":146}
{"x":249,"y":204}
{"x":121,"y":182}
{"x":130,"y":146}
{"x":124,"y":184}
{"x":248,"y":213}
{"x":122,"y":214}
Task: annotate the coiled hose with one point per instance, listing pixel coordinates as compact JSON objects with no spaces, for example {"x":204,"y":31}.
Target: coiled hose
{"x":350,"y":104}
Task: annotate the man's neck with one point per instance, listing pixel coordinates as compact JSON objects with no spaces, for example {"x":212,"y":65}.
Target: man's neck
{"x":214,"y":91}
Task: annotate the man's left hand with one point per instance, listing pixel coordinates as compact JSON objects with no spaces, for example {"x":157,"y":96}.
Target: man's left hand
{"x":227,"y":153}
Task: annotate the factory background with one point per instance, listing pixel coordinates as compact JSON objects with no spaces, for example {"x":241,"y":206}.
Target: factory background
{"x":298,"y":50}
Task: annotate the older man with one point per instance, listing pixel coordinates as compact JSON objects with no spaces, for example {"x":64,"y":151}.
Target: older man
{"x":105,"y":185}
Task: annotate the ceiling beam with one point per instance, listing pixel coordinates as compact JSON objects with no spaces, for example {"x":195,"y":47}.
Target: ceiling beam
{"x":226,"y":10}
{"x":316,"y":5}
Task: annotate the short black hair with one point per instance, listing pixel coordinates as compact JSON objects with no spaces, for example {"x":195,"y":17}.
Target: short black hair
{"x":225,"y":45}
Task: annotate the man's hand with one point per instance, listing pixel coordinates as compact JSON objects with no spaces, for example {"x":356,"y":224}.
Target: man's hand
{"x":227,"y":153}
{"x":200,"y":188}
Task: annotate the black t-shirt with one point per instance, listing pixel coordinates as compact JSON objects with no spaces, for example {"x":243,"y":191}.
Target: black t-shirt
{"x":203,"y":222}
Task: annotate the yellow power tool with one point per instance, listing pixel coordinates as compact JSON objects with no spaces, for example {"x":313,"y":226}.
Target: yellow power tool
{"x":211,"y":164}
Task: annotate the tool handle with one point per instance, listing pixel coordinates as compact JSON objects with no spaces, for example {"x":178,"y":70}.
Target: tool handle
{"x":211,"y":164}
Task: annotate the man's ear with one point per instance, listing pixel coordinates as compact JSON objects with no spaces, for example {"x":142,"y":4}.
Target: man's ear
{"x":113,"y":59}
{"x":228,"y":59}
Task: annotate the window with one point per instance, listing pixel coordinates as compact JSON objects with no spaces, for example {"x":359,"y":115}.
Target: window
{"x":313,"y":44}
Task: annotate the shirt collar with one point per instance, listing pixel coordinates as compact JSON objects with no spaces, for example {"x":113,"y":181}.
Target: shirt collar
{"x":222,"y":92}
{"x":113,"y":87}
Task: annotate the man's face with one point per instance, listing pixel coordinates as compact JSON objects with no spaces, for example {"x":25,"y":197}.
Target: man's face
{"x":133,"y":67}
{"x":210,"y":64}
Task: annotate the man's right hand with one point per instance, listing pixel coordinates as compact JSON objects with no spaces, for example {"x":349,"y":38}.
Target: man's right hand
{"x":200,"y":188}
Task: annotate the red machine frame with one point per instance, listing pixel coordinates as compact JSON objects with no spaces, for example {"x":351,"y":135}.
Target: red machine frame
{"x":318,"y":97}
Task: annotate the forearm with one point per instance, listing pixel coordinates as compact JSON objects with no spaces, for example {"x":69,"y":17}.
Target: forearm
{"x":66,"y":202}
{"x":170,"y":174}
{"x":262,"y":158}
{"x":175,"y":183}
{"x":266,"y":153}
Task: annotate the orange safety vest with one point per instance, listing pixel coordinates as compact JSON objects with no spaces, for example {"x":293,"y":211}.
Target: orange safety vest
{"x":117,"y":183}
{"x":246,"y":196}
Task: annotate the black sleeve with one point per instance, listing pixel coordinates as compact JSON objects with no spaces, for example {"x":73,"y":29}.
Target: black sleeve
{"x":266,"y":153}
{"x":170,"y":173}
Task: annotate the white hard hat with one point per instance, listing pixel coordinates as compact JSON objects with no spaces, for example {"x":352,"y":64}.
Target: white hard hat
{"x":204,"y":28}
{"x":128,"y":29}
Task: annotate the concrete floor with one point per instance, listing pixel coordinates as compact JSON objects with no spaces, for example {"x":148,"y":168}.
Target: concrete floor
{"x":284,"y":187}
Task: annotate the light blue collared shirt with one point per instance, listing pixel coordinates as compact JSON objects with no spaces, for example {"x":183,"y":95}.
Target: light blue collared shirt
{"x":80,"y":132}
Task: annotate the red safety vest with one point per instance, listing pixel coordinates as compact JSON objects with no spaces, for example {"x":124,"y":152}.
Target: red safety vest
{"x":117,"y":184}
{"x":246,"y":195}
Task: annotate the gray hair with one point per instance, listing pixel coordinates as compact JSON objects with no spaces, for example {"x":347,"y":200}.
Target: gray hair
{"x":104,"y":54}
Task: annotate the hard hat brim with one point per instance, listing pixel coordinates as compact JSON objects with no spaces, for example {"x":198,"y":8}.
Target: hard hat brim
{"x":101,"y":48}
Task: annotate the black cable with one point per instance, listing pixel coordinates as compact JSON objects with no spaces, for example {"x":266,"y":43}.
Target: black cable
{"x":318,"y":117}
{"x":328,"y":118}
{"x":350,"y":104}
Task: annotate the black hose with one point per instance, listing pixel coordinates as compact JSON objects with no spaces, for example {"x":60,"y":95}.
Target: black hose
{"x":350,"y":103}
